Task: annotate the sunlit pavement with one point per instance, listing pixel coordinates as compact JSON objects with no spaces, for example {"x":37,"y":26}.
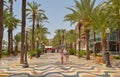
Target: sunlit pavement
{"x":49,"y":65}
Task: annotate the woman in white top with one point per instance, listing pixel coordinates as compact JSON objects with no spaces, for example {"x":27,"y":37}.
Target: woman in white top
{"x":66,"y":54}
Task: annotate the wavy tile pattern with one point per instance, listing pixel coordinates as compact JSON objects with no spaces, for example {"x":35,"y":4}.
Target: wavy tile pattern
{"x":48,"y":65}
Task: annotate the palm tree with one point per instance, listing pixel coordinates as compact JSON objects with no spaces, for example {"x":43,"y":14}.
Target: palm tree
{"x":73,"y":18}
{"x":79,"y":25}
{"x":23,"y":31}
{"x":10,"y":22}
{"x":81,"y":13}
{"x":33,"y":9}
{"x":40,"y":18}
{"x":17,"y":41}
{"x":63,"y":31}
{"x":41,"y":32}
{"x":1,"y":26}
{"x":64,"y":37}
{"x":10,"y":32}
{"x":72,"y":38}
{"x":60,"y":35}
{"x":11,"y":5}
{"x":114,"y":6}
{"x":95,"y":27}
{"x":55,"y":41}
{"x":58,"y":32}
{"x":103,"y":19}
{"x":30,"y":41}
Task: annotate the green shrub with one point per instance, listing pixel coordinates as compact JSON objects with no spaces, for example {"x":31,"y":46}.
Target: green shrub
{"x":81,"y":53}
{"x":18,"y":51}
{"x":5,"y":53}
{"x":91,"y":52}
{"x":34,"y":52}
{"x":3,"y":50}
{"x":99,"y":55}
{"x":117,"y":57}
{"x":39,"y":50}
{"x":71,"y":51}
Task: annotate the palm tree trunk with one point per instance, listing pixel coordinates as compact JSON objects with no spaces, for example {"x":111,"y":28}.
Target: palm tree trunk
{"x":16,"y":50}
{"x":95,"y":53}
{"x":33,"y":42}
{"x":79,"y":36}
{"x":33,"y":32}
{"x":63,"y":39}
{"x":75,"y":48}
{"x":11,"y":32}
{"x":12,"y":42}
{"x":59,"y":41}
{"x":1,"y":26}
{"x":23,"y":31}
{"x":103,"y":44}
{"x":87,"y":44}
{"x":11,"y":6}
{"x":9,"y":52}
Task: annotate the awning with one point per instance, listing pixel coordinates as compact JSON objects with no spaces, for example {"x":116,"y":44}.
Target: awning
{"x":48,"y":46}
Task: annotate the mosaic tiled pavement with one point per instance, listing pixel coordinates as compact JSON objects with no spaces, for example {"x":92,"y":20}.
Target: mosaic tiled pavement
{"x":48,"y":65}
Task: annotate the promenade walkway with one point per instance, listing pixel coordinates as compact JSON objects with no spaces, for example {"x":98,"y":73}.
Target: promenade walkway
{"x":49,"y":65}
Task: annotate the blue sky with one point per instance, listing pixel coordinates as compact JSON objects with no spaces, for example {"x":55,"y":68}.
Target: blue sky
{"x":55,"y":10}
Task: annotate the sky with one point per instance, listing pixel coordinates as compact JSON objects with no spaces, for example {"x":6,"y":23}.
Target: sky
{"x":55,"y":10}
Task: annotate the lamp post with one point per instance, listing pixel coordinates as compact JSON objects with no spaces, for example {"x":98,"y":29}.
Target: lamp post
{"x":94,"y":48}
{"x":26,"y":49}
{"x":116,"y":41}
{"x":37,"y":55}
{"x":78,"y":47}
{"x":107,"y":53}
{"x":43,"y":47}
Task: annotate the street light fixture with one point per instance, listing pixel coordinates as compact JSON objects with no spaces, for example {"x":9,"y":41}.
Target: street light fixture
{"x":26,"y":48}
{"x":107,"y":53}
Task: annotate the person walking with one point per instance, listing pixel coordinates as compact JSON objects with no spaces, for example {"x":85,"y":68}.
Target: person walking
{"x":67,"y":57}
{"x":66,"y":54}
{"x":62,"y":55}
